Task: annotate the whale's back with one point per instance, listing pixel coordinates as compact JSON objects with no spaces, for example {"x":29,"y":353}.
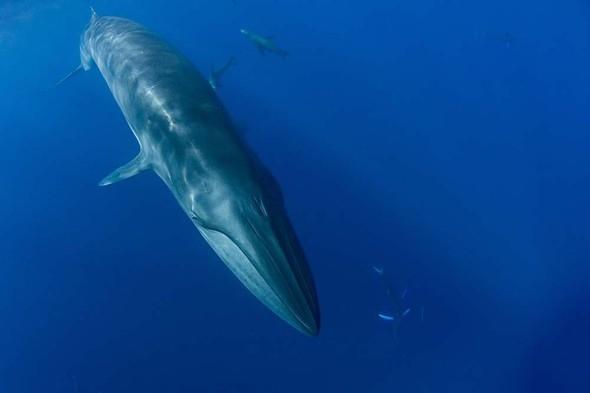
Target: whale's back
{"x":162,"y":95}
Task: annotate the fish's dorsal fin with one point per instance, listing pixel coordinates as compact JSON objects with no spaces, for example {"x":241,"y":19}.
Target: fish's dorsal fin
{"x":132,"y":168}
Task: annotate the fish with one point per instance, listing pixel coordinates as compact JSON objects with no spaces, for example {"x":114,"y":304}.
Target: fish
{"x":264,"y":43}
{"x":396,"y":302}
{"x":378,"y":270}
{"x":187,"y":138}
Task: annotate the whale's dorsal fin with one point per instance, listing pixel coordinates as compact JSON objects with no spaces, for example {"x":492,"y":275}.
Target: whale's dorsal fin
{"x":132,"y":168}
{"x":93,"y":14}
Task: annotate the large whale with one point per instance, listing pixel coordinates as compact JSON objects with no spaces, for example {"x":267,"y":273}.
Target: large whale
{"x":187,"y":138}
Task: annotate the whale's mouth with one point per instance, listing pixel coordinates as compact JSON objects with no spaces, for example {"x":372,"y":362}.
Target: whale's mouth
{"x":264,"y":273}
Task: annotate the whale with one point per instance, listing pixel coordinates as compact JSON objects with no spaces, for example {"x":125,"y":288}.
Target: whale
{"x":187,"y":138}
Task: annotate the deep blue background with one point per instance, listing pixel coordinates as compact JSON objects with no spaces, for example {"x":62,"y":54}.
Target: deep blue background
{"x":444,"y":140}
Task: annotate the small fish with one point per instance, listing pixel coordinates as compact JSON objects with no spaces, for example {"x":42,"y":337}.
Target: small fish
{"x":386,"y":317}
{"x":378,"y":270}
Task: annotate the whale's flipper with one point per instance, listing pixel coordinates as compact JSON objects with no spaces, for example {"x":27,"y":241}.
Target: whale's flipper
{"x":132,"y":168}
{"x":85,"y":65}
{"x":76,"y":71}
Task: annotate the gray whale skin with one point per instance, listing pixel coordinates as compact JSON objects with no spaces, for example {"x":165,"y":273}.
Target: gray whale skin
{"x":187,"y":138}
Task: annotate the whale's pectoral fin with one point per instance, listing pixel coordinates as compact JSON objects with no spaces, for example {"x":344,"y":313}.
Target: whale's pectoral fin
{"x":76,"y":71}
{"x":132,"y":168}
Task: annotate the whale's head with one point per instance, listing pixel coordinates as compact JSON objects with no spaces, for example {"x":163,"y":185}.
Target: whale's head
{"x":248,"y":228}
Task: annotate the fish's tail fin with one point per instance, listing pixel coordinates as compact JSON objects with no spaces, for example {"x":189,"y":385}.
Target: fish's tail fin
{"x":75,"y":72}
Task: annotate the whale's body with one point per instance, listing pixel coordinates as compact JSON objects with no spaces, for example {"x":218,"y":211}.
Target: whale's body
{"x":187,"y":138}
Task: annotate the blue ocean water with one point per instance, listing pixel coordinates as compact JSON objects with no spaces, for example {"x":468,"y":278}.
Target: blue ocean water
{"x":444,"y":141}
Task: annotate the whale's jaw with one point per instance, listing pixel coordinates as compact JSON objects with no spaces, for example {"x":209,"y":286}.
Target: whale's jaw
{"x":268,"y":260}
